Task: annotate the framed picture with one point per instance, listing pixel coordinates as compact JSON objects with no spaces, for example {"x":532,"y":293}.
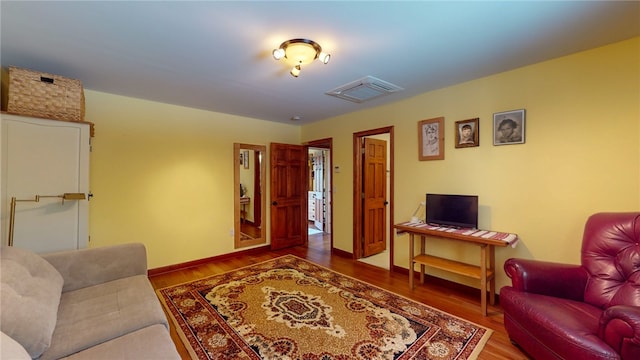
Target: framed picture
{"x":467,"y":133}
{"x":431,"y":139}
{"x":245,"y":158}
{"x":508,"y":127}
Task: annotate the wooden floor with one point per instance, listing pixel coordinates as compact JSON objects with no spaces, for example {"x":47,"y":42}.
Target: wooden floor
{"x":248,"y":228}
{"x":458,"y":302}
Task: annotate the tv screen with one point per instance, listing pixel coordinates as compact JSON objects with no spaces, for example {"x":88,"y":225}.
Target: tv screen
{"x":452,"y":210}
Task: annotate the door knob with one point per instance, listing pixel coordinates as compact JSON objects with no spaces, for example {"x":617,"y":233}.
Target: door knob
{"x":275,"y":203}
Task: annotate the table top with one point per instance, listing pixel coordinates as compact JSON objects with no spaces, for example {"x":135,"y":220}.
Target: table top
{"x":488,"y":237}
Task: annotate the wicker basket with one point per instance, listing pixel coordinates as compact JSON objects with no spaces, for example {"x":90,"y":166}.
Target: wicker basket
{"x":44,"y":95}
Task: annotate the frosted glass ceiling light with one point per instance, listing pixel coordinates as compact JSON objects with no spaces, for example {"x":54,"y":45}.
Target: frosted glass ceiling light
{"x":300,"y":52}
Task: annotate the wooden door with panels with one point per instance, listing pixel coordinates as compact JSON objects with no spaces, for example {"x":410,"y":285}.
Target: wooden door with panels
{"x":45,"y":168}
{"x":365,"y":186}
{"x":289,"y":195}
{"x":374,"y":197}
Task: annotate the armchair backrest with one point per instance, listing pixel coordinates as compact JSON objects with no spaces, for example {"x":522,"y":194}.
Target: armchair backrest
{"x":611,"y":256}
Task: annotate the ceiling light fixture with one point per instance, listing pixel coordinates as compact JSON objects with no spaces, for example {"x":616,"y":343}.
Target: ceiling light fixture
{"x":300,"y":52}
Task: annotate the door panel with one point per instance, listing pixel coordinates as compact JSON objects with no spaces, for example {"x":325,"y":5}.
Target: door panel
{"x":46,"y":158}
{"x":375,"y":196}
{"x":288,"y":195}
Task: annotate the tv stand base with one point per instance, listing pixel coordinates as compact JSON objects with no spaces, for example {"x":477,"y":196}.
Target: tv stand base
{"x":485,"y":272}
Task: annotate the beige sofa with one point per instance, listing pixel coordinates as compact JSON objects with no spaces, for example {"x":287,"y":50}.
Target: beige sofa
{"x":81,"y":304}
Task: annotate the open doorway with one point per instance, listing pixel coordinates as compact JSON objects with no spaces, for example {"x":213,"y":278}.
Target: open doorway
{"x":319,"y":213}
{"x":373,"y":197}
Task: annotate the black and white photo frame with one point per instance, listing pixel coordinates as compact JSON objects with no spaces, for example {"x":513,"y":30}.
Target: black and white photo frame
{"x":431,"y":139}
{"x":509,"y":127}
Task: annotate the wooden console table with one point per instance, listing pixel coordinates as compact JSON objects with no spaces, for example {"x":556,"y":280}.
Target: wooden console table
{"x":487,"y":241}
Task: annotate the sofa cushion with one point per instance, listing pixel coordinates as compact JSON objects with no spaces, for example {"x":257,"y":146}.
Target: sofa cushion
{"x":11,"y":349}
{"x":568,"y":329}
{"x":31,"y":290}
{"x":153,"y":342}
{"x":96,"y":314}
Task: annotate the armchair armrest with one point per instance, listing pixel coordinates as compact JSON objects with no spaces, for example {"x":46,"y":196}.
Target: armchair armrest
{"x":620,"y":328}
{"x":547,"y":278}
{"x":87,"y":267}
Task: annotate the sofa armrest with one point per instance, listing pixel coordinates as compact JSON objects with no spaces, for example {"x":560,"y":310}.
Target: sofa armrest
{"x":620,"y":328}
{"x":547,"y":278}
{"x":87,"y":267}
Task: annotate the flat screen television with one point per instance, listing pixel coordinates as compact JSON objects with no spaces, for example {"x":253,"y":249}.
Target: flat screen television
{"x":452,"y":210}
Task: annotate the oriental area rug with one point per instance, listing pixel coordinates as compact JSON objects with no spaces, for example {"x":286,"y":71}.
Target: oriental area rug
{"x":290,"y":308}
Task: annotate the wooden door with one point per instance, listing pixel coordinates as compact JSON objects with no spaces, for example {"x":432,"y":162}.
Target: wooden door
{"x":46,"y":158}
{"x":288,"y":195}
{"x":374,"y":196}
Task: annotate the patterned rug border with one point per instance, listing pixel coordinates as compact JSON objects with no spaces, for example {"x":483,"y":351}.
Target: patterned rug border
{"x":183,"y":337}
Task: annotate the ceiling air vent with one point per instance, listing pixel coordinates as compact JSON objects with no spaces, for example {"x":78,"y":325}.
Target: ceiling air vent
{"x":364,"y":89}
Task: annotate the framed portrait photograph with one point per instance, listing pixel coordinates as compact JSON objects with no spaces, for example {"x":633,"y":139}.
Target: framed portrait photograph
{"x":467,"y":133}
{"x":431,"y":139}
{"x":508,"y":127}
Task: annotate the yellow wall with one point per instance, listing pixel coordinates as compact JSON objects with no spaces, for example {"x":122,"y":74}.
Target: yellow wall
{"x":163,"y":175}
{"x":581,"y":156}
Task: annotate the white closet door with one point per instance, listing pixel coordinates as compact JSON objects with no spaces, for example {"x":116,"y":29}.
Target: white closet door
{"x":50,"y":158}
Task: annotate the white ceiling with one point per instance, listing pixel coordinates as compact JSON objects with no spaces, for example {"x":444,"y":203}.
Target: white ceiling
{"x":216,"y":55}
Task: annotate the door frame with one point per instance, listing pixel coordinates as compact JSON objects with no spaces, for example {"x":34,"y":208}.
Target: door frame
{"x":327,"y":144}
{"x":357,"y":191}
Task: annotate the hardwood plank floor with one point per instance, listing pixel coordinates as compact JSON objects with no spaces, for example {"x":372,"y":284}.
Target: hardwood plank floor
{"x":456,"y":301}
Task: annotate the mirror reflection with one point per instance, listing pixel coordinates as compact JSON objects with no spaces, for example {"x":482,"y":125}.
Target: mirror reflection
{"x":249,"y":194}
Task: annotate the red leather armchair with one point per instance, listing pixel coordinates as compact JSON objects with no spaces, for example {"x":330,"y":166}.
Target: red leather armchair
{"x":587,"y":311}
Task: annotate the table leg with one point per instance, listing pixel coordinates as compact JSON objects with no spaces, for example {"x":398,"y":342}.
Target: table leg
{"x":411,"y":256}
{"x":422,"y":266}
{"x":492,"y":281}
{"x":483,"y":279}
